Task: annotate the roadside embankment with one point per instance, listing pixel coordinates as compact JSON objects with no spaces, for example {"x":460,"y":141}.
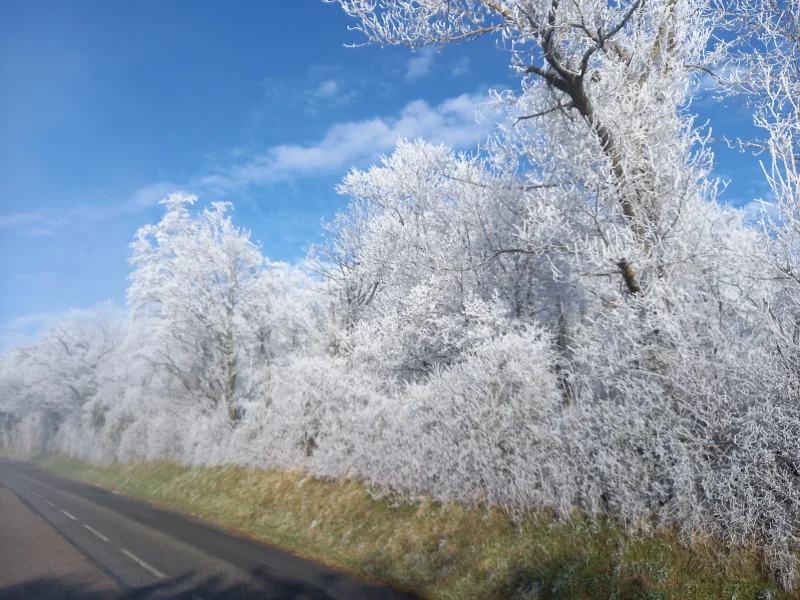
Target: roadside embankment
{"x":438,"y":551}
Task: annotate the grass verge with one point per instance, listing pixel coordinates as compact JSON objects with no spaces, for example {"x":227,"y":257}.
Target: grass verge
{"x":437,"y":551}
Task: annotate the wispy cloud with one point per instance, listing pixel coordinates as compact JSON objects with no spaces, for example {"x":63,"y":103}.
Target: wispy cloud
{"x":20,"y":219}
{"x":21,"y":330}
{"x":760,"y":210}
{"x":32,"y":320}
{"x":328,"y":94}
{"x":461,"y":67}
{"x":147,"y":196}
{"x":47,"y":222}
{"x":39,"y":278}
{"x":327,"y":89}
{"x":420,"y":63}
{"x":322,"y":88}
{"x":453,"y":122}
{"x":13,"y":339}
{"x":711,"y":86}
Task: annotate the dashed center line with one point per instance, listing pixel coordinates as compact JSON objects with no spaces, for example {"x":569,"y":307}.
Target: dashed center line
{"x":97,"y":533}
{"x":127,"y":553}
{"x":143,"y":564}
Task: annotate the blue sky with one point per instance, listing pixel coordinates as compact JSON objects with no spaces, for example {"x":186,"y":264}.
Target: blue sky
{"x":108,"y":106}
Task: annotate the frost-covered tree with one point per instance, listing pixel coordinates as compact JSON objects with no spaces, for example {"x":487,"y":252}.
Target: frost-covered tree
{"x":436,"y":236}
{"x":195,"y":278}
{"x":610,"y":174}
{"x":765,"y":71}
{"x":287,"y":319}
{"x":52,"y":378}
{"x":598,"y":107}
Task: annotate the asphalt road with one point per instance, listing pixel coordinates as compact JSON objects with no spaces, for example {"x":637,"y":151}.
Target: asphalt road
{"x":64,"y":539}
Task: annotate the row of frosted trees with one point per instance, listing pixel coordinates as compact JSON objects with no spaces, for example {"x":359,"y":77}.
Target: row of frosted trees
{"x":567,"y":318}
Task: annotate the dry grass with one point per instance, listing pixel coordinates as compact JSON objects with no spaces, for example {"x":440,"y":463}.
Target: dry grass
{"x":13,"y":454}
{"x":438,"y":551}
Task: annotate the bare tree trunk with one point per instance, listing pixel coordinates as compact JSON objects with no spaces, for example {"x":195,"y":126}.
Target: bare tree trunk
{"x":230,"y":389}
{"x":565,"y":360}
{"x":231,"y":365}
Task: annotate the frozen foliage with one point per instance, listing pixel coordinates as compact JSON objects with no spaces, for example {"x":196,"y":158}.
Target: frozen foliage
{"x":565,"y":319}
{"x":767,"y":74}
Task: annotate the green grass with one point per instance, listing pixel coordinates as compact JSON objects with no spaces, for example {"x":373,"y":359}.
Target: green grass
{"x":438,"y":551}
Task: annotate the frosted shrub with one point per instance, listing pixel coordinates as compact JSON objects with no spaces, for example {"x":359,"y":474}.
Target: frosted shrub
{"x":315,"y":412}
{"x":467,"y":432}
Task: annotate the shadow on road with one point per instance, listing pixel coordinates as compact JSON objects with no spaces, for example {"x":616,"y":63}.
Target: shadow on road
{"x":213,"y":588}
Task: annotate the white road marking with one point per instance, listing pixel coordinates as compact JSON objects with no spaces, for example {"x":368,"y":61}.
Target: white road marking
{"x":97,"y":533}
{"x":48,"y":502}
{"x":26,"y":487}
{"x":196,"y":597}
{"x":35,"y":494}
{"x":135,"y":558}
{"x":69,"y":515}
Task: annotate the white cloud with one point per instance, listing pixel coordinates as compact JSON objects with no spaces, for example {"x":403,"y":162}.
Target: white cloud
{"x":321,"y":89}
{"x":326,"y":95}
{"x":461,"y":67}
{"x":453,"y":122}
{"x":420,"y":63}
{"x":19,"y":219}
{"x":758,"y":210}
{"x":52,"y":221}
{"x":33,"y":320}
{"x":13,"y":339}
{"x":327,"y":89}
{"x":39,"y":278}
{"x":707,"y":81}
{"x":23,"y":329}
{"x":711,"y":86}
{"x":148,"y":196}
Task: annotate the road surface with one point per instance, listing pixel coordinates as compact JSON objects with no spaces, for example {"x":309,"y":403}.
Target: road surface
{"x":61,"y":539}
